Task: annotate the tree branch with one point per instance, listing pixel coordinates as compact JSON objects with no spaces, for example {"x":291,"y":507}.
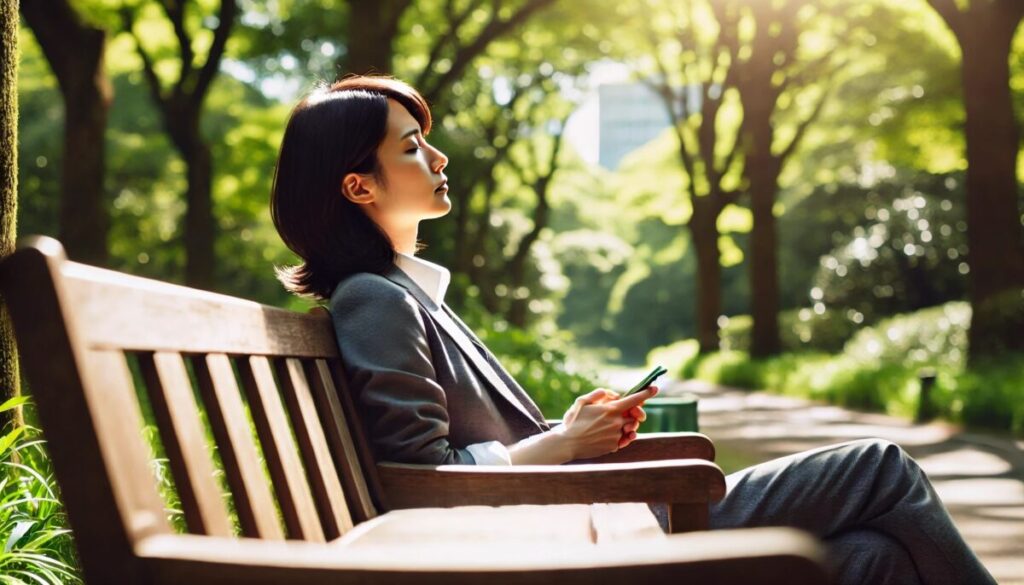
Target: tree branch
{"x":1015,"y":8}
{"x":557,"y":147}
{"x":812,"y":70}
{"x":669,"y":99}
{"x":726,"y":198}
{"x":175,"y":11}
{"x":949,"y":12}
{"x":456,"y":21}
{"x":226,"y":16}
{"x":59,"y":31}
{"x":465,"y":54}
{"x":731,"y":157}
{"x":802,"y":127}
{"x":155,"y":88}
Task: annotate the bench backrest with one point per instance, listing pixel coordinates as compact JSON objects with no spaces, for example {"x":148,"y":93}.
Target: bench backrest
{"x":207,"y":366}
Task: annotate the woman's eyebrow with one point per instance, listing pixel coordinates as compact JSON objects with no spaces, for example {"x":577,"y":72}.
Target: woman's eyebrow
{"x":409,"y":133}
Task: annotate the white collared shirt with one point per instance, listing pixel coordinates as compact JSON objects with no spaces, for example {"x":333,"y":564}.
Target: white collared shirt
{"x":434,"y":281}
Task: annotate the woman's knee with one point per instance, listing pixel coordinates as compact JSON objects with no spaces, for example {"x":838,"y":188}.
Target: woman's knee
{"x":869,"y":556}
{"x":879,"y":451}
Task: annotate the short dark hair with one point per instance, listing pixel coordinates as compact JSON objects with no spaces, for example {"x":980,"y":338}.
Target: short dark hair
{"x":334,"y":131}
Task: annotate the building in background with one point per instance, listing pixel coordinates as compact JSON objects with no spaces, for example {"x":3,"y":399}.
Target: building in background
{"x":630,"y":115}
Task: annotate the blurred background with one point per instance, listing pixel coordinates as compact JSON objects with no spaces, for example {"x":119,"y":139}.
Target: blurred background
{"x":820,"y":197}
{"x":817,"y":198}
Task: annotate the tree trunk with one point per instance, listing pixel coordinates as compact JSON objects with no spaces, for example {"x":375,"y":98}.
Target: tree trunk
{"x":181,"y":111}
{"x":481,"y":275}
{"x":10,"y":381}
{"x":372,"y":27}
{"x":200,"y":230}
{"x":762,"y":170}
{"x":182,"y":122}
{"x":704,"y":231}
{"x":517,"y":266}
{"x":996,"y":253}
{"x":84,"y":221}
{"x":75,"y":51}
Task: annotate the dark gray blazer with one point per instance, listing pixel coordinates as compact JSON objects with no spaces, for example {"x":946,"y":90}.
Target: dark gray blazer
{"x":425,"y":384}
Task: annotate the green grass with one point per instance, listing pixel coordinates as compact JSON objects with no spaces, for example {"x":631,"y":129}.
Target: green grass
{"x":880,"y":369}
{"x":37,"y":544}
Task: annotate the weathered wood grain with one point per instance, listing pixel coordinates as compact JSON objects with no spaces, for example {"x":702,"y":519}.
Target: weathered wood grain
{"x":346,"y":457}
{"x":293,"y":493}
{"x":177,"y":418}
{"x":153,"y":315}
{"x":324,"y":479}
{"x":74,"y":325}
{"x":254,"y":503}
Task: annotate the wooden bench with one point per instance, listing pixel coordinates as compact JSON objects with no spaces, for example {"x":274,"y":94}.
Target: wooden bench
{"x":211,"y":368}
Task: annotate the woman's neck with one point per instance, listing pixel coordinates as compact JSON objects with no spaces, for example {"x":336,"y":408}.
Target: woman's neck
{"x":404,"y":239}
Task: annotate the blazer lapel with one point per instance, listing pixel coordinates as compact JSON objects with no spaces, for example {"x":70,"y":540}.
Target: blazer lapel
{"x":446,"y":323}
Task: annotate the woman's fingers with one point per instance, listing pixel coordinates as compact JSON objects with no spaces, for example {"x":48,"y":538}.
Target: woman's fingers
{"x":637,"y":399}
{"x":638,"y":413}
{"x":626,"y":439}
{"x":597,"y":396}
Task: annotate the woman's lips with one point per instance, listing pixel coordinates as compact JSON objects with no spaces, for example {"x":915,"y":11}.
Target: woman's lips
{"x":442,"y":188}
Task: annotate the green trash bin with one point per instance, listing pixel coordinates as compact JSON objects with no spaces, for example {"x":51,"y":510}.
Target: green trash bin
{"x":671,"y":414}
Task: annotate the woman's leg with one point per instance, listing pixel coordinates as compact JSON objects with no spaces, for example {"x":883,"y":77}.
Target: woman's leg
{"x":867,"y":484}
{"x":866,"y":556}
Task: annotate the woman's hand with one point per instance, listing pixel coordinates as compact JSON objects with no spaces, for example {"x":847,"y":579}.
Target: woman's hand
{"x":600,"y":422}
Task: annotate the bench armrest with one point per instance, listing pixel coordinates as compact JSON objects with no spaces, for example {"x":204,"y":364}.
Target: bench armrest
{"x":659,"y":446}
{"x":670,"y":481}
{"x":757,"y":556}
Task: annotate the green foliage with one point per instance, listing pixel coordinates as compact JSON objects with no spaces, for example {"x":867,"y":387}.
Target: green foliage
{"x":675,"y":357}
{"x":990,"y":395}
{"x":909,"y":253}
{"x":799,"y":329}
{"x":895,"y":245}
{"x":1007,"y":310}
{"x":880,"y":368}
{"x":37,"y":544}
{"x":932,"y":337}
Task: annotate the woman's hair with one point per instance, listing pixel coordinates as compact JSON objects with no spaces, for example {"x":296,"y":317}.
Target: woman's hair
{"x":333,"y":132}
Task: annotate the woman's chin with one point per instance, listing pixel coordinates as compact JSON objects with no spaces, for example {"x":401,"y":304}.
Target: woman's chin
{"x":444,"y":205}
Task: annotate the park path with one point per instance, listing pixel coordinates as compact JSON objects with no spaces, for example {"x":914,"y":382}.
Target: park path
{"x":979,"y":477}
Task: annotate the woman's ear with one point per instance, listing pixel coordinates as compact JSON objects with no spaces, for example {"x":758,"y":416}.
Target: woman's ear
{"x":359,"y":189}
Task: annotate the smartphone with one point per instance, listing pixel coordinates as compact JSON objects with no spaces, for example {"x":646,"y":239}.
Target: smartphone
{"x":647,"y":381}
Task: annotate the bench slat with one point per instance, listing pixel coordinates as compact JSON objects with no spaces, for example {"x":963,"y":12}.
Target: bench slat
{"x":253,"y":500}
{"x":300,"y":517}
{"x":118,"y":423}
{"x":155,"y":315}
{"x":323,"y":476}
{"x":333,"y":419}
{"x":177,"y":416}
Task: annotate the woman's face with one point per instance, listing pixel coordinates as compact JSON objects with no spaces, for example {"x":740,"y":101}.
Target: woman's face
{"x":411,"y":186}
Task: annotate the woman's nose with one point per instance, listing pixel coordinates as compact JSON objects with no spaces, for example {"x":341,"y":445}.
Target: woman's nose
{"x":440,"y":160}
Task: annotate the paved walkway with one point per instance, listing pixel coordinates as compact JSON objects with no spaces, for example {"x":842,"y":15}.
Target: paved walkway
{"x":979,"y":477}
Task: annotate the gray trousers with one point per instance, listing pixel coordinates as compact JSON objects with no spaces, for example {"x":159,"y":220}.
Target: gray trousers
{"x":869,"y":502}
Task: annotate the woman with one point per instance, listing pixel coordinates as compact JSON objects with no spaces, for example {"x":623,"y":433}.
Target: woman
{"x":354,"y":179}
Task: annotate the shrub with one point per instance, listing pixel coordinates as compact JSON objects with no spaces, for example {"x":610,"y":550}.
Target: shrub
{"x":799,"y":330}
{"x":674,"y":357}
{"x":931,"y":337}
{"x":37,"y":545}
{"x":990,"y":395}
{"x":880,"y":368}
{"x":732,"y":368}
